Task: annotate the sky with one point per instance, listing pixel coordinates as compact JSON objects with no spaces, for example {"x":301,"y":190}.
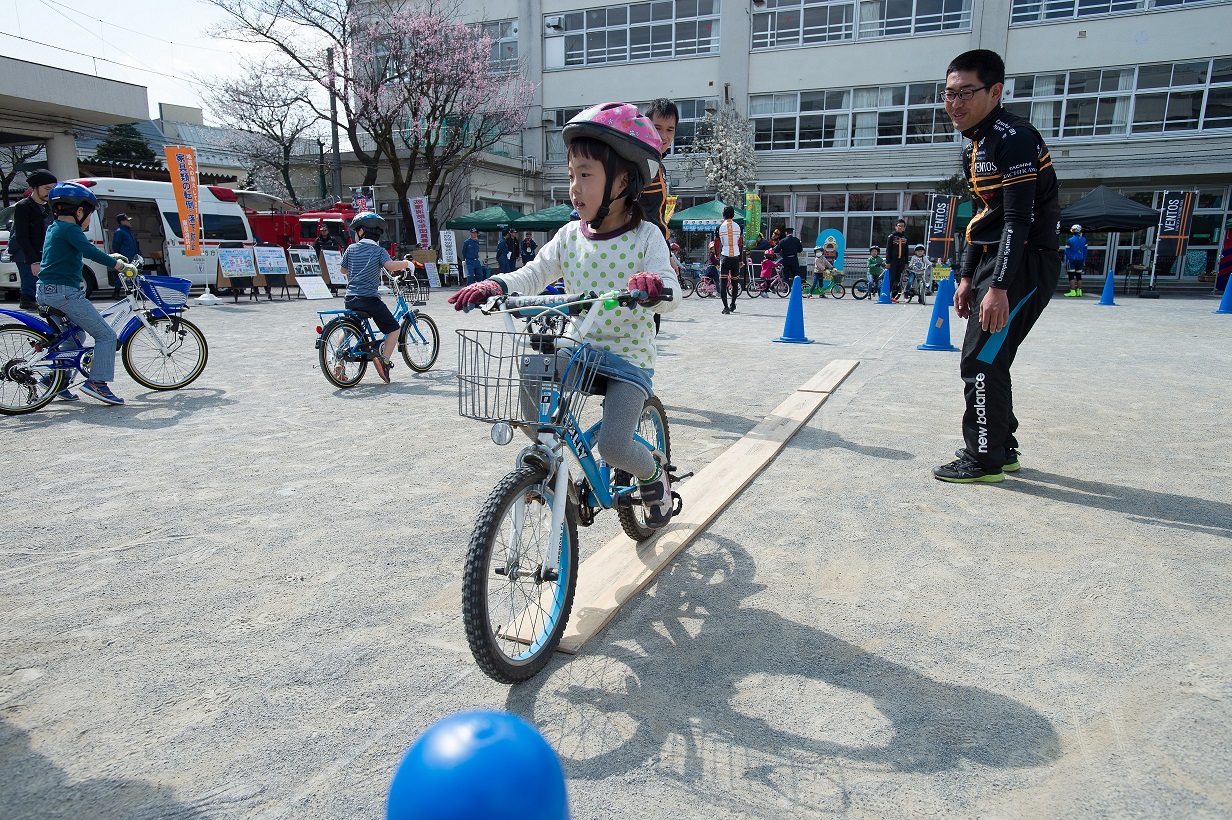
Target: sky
{"x":136,"y":41}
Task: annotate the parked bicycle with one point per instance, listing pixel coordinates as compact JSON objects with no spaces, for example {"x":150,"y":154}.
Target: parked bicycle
{"x":522,"y":561}
{"x":42,"y":355}
{"x":347,"y":342}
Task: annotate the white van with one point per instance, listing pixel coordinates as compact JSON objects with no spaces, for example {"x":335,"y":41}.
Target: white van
{"x":155,"y":221}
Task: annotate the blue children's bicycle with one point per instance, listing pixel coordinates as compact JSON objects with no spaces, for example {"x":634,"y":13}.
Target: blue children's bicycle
{"x":521,"y":565}
{"x":347,"y":342}
{"x":160,"y":349}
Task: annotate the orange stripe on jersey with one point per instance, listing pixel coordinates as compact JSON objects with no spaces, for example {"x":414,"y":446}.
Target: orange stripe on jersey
{"x":1023,"y":178}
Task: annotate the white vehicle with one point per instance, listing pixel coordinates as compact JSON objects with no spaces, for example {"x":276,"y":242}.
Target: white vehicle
{"x":155,"y":221}
{"x":9,"y":280}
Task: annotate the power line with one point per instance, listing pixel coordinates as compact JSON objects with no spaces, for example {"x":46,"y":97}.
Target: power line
{"x":103,"y":59}
{"x":134,"y":31}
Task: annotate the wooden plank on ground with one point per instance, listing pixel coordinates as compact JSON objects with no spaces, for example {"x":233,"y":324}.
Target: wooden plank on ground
{"x":621,"y":568}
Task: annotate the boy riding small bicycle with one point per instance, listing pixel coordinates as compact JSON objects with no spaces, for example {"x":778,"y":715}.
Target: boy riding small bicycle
{"x":60,"y":284}
{"x":613,"y":152}
{"x":823,"y":269}
{"x":919,"y":272}
{"x":362,"y":264}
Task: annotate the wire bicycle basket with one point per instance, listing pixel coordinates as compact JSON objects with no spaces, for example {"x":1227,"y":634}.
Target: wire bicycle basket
{"x":170,"y":293}
{"x":502,"y":376}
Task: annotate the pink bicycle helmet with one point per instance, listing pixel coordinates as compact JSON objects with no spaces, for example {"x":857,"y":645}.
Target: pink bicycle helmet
{"x":633,"y":137}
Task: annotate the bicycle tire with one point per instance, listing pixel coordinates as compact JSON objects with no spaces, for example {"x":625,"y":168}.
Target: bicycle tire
{"x":859,"y":289}
{"x":687,"y":286}
{"x":145,"y":361}
{"x":706,"y":288}
{"x":837,"y":290}
{"x":781,"y":288}
{"x":420,"y":354}
{"x":21,"y":388}
{"x":733,"y":289}
{"x":653,"y":427}
{"x":337,"y":338}
{"x":522,"y":597}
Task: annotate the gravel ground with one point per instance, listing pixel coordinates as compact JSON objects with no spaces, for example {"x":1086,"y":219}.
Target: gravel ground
{"x":241,"y":599}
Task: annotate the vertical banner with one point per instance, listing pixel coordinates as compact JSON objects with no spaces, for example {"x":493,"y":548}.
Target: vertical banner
{"x":941,"y":227}
{"x":669,"y":208}
{"x":1175,"y":221}
{"x":419,"y":213}
{"x":752,"y":217}
{"x":182,"y":165}
{"x":363,"y":199}
{"x":449,"y":248}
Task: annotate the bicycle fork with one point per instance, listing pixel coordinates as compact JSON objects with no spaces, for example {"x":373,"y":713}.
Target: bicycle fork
{"x":547,"y":454}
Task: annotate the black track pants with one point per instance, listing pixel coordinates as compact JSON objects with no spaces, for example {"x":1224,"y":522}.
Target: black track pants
{"x":989,"y":423}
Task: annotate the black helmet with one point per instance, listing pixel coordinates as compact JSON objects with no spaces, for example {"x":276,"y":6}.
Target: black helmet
{"x":40,"y":177}
{"x":67,"y":197}
{"x":121,"y":218}
{"x":372,"y":224}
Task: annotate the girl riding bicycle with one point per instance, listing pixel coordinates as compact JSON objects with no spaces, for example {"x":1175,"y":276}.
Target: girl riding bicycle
{"x":613,"y":152}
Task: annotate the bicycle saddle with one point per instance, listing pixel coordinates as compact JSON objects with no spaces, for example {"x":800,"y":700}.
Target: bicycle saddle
{"x":51,"y":313}
{"x":361,"y":315}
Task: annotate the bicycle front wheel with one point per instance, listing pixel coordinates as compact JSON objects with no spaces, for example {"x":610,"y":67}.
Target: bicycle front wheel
{"x":419,"y":342}
{"x":687,"y":285}
{"x":859,"y":289}
{"x":652,"y":426}
{"x":781,"y":288}
{"x":837,"y":290}
{"x":514,"y":611}
{"x":340,"y":362}
{"x":706,"y":287}
{"x":25,"y":388}
{"x":166,"y":355}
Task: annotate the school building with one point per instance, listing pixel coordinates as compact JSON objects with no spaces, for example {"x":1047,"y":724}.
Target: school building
{"x":844,"y":98}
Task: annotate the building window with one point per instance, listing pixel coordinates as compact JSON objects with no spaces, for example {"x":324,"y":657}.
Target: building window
{"x":1042,"y":11}
{"x":503,"y":56}
{"x":783,"y":23}
{"x":623,"y":34}
{"x":1149,"y":100}
{"x":691,"y":113}
{"x":851,"y":118}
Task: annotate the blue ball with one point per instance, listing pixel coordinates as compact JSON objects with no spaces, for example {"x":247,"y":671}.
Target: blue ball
{"x":480,"y":764}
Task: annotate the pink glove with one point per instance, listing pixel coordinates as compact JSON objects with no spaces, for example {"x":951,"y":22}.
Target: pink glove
{"x":649,"y":284}
{"x":475,"y":294}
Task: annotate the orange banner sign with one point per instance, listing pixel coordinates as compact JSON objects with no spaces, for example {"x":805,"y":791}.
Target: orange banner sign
{"x":182,"y":165}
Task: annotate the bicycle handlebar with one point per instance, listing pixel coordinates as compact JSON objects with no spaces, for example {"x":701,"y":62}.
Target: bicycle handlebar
{"x":569,"y":304}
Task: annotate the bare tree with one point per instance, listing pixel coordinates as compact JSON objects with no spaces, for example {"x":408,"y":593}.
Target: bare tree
{"x":12,"y":157}
{"x":316,"y":38}
{"x":269,"y":111}
{"x":723,"y":152}
{"x":427,"y":98}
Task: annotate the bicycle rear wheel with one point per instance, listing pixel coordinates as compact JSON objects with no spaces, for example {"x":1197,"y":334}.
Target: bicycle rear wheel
{"x":179,"y":366}
{"x":340,"y":362}
{"x":514,"y":615}
{"x":25,"y":388}
{"x":419,"y":341}
{"x":652,"y":426}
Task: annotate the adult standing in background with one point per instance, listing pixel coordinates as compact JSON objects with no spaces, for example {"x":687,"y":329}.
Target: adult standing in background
{"x":504,"y":254}
{"x":730,"y":244}
{"x":529,"y":248}
{"x":788,"y":249}
{"x":1011,"y":266}
{"x":897,"y":257}
{"x":1075,"y":259}
{"x":470,"y":257}
{"x":123,"y":242}
{"x":31,"y":217}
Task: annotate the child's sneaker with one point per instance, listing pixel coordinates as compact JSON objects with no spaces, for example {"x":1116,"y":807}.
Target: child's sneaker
{"x":383,"y":366}
{"x":100,"y":391}
{"x":67,"y":395}
{"x":656,"y":494}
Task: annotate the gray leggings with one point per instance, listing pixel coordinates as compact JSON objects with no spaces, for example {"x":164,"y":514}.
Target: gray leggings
{"x":622,"y":408}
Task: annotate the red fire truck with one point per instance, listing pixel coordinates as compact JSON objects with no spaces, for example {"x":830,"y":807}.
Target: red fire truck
{"x":278,"y":222}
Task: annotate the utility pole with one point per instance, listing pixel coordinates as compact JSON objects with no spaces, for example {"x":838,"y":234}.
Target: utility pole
{"x":336,"y":163}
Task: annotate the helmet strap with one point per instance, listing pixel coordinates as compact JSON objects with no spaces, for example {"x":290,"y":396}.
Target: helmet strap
{"x":83,"y":219}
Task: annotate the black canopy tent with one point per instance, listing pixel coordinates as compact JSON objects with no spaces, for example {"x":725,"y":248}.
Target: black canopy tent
{"x":1105,"y":210}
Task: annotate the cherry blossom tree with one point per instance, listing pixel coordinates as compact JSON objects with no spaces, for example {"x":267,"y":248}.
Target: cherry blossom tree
{"x":723,"y":152}
{"x":424,"y":93}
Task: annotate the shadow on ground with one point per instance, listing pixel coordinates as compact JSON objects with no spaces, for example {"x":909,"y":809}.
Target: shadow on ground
{"x":718,"y":689}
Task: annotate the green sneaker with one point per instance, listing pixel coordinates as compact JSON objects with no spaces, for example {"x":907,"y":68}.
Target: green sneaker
{"x":1079,"y":292}
{"x":1071,"y":292}
{"x":965,"y":471}
{"x":1010,"y":466}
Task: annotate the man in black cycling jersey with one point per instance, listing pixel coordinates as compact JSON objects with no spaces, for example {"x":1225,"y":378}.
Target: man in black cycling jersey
{"x":1011,"y":266}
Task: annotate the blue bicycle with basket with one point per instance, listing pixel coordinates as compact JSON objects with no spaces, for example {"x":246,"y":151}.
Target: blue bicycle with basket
{"x":160,"y":349}
{"x":347,"y":342}
{"x":522,"y":561}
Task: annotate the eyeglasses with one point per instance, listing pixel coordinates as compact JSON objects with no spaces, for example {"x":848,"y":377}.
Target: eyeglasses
{"x":952,"y":96}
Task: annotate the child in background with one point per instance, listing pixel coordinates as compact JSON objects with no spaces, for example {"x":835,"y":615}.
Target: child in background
{"x":613,"y":153}
{"x":822,"y":269}
{"x":362,"y":263}
{"x":919,"y":270}
{"x":876,"y":265}
{"x":767,"y":268}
